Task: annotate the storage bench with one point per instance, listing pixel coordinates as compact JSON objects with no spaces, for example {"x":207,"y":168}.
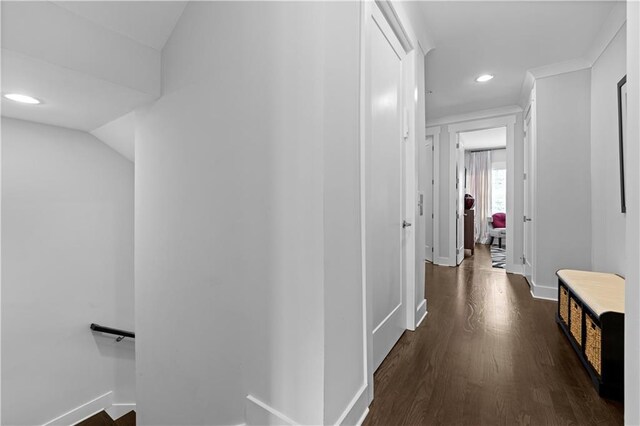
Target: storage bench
{"x":591,"y":314}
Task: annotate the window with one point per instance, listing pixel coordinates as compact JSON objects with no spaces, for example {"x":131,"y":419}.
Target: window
{"x":498,"y":190}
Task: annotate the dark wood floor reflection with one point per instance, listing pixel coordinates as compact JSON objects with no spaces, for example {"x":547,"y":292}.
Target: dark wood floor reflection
{"x":487,"y":354}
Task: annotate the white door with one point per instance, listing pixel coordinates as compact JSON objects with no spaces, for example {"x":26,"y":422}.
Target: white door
{"x":384,"y":187}
{"x":528,"y":246}
{"x":460,"y":172}
{"x":427,"y":183}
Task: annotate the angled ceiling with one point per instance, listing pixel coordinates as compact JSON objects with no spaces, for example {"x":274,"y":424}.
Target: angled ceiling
{"x":505,"y":39}
{"x":89,"y":62}
{"x":148,"y":22}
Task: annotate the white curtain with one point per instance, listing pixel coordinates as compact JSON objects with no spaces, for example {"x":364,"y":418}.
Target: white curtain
{"x":478,"y":166}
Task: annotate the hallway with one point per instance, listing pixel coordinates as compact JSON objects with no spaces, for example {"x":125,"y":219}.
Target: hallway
{"x":487,"y":353}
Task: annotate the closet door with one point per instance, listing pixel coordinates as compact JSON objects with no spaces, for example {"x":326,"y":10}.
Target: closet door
{"x":384,"y":186}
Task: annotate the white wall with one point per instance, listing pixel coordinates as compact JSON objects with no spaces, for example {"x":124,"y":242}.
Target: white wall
{"x":608,"y":223}
{"x":632,"y":293}
{"x":67,"y":261}
{"x":563,"y":194}
{"x":247,"y":217}
{"x":344,"y":346}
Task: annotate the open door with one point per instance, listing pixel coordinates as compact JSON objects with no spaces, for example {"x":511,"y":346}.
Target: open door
{"x":528,"y":191}
{"x":427,"y":182}
{"x":460,"y":172}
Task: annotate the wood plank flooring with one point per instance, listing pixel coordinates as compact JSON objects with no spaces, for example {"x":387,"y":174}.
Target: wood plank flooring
{"x":486,"y":354}
{"x":104,"y":419}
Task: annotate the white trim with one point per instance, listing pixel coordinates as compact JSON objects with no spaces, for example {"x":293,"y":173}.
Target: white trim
{"x":385,"y":27}
{"x":410,"y":187}
{"x":443,"y":261}
{"x":357,"y":409}
{"x":452,"y":220}
{"x":267,"y":413}
{"x":118,"y":410}
{"x":387,"y":318}
{"x":614,"y":22}
{"x":367,"y":301}
{"x":84,"y":411}
{"x":429,"y":216}
{"x":489,"y":123}
{"x":560,"y":68}
{"x":514,"y":186}
{"x":363,"y":417}
{"x":478,"y":115}
{"x":434,"y":132}
{"x":396,"y":26}
{"x":421,"y":312}
{"x":543,"y":292}
{"x":525,"y":91}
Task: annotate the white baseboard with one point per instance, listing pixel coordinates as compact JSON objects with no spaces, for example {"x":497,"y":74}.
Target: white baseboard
{"x":421,"y":312}
{"x":84,"y":411}
{"x":119,"y":409}
{"x":357,"y":409}
{"x":443,"y":261}
{"x":257,"y":413}
{"x":364,"y":416}
{"x":544,"y":292}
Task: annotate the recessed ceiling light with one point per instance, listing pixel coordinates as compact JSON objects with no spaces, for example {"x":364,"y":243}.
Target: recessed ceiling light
{"x":484,"y":78}
{"x":25,"y":99}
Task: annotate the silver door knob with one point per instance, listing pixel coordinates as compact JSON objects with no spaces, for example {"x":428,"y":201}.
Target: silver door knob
{"x":405,"y":224}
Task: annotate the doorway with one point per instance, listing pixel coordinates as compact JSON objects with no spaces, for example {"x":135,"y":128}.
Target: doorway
{"x":426,"y":191}
{"x":487,"y":147}
{"x":482,"y":154}
{"x":527,"y":256}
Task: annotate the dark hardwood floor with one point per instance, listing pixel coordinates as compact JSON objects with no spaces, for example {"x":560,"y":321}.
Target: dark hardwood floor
{"x":486,"y":354}
{"x":104,"y":419}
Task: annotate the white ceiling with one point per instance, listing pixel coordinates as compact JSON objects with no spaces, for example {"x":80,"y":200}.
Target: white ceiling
{"x":69,"y":98}
{"x":484,"y":139}
{"x":119,"y":134}
{"x":89,"y":62}
{"x":501,"y":38}
{"x":147,"y":22}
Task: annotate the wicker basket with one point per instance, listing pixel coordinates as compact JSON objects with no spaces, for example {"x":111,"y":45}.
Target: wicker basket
{"x":576,"y":320}
{"x":593,"y":344}
{"x":564,"y":305}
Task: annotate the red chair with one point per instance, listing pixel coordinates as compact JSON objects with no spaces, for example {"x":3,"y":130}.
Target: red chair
{"x":498,"y":227}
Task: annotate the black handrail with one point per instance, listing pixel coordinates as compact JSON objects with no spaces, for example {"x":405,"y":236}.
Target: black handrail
{"x":121,"y":333}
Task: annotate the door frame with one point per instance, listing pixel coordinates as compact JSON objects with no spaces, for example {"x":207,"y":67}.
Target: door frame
{"x":460,"y":190}
{"x":508,"y":121}
{"x":527,"y":238}
{"x":533,"y":134}
{"x":384,"y":10}
{"x":434,"y":132}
